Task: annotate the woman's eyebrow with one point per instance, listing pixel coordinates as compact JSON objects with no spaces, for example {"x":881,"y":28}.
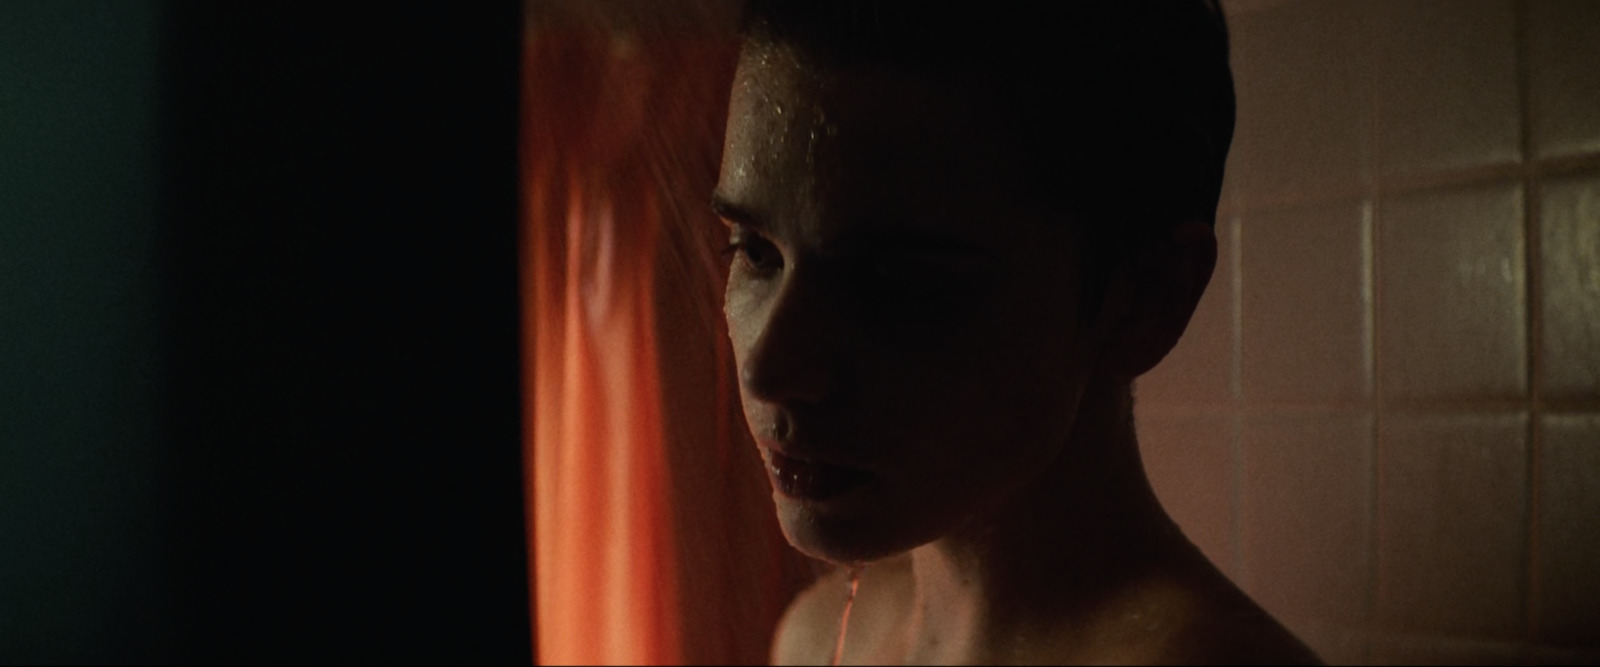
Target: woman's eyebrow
{"x":731,"y":212}
{"x":908,"y":240}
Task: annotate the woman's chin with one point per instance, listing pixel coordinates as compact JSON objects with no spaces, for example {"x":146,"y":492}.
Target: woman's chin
{"x":839,"y":537}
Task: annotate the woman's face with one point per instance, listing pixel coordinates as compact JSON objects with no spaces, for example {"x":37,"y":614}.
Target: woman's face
{"x":903,"y":311}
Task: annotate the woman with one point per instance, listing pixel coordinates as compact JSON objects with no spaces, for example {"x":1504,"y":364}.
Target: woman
{"x":957,"y":238}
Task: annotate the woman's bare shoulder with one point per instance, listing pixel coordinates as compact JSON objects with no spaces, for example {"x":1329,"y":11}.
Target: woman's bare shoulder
{"x":1241,"y":638}
{"x":1178,"y":620}
{"x":1222,"y":625}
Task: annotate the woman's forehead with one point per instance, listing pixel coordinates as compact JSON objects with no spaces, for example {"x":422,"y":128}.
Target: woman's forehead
{"x":862,"y":144}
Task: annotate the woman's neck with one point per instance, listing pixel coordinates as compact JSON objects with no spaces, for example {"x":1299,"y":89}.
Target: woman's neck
{"x":1052,"y":556}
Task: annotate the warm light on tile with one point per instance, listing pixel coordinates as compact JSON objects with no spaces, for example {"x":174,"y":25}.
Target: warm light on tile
{"x":1437,"y":650}
{"x":1305,"y":307}
{"x":1306,"y":507}
{"x":1446,"y":96}
{"x":1452,"y":523}
{"x":1567,"y":609}
{"x":1457,"y":121}
{"x":1452,"y":307}
{"x":1564,"y":76}
{"x":1569,"y":243}
{"x":1335,"y":644}
{"x":1190,"y":461}
{"x":1302,"y":75}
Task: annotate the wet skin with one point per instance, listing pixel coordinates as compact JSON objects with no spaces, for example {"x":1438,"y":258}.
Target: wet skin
{"x":898,"y":302}
{"x":903,"y":306}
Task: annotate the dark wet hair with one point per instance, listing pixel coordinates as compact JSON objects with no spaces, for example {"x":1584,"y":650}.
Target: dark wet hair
{"x":1126,"y":107}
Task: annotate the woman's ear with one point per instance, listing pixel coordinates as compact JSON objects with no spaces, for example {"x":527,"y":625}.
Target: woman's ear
{"x":1152,"y":294}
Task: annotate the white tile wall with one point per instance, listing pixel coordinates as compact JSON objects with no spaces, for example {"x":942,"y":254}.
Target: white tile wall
{"x":1452,"y":312}
{"x":1467,"y":52}
{"x":1563,"y":53}
{"x":1307,"y":498}
{"x":1405,"y":341}
{"x":1567,"y":580}
{"x":1452,"y":523}
{"x":1305,"y":293}
{"x":1569,"y":244}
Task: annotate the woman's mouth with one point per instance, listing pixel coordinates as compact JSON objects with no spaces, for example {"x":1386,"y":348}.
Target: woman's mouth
{"x":807,"y":480}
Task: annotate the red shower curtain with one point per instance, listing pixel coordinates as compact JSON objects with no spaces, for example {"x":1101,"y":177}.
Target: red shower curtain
{"x":651,"y":532}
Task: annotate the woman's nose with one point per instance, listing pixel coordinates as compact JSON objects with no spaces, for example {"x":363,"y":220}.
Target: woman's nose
{"x":795,"y":354}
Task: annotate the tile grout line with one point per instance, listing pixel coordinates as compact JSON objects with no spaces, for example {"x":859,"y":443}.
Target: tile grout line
{"x":1372,"y":210}
{"x":1533,"y":302}
{"x":1369,"y":279}
{"x":1236,"y":382}
{"x":1427,"y":408}
{"x":1237,"y":373}
{"x":1454,"y":178}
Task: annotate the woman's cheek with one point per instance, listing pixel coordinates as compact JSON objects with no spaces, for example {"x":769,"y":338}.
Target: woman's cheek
{"x":743,"y":307}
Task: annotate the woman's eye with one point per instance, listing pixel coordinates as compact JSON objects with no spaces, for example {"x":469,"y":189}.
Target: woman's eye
{"x":756,"y":254}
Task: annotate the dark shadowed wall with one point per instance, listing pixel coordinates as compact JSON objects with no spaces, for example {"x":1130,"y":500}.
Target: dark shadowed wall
{"x":260,"y":347}
{"x":81,"y":575}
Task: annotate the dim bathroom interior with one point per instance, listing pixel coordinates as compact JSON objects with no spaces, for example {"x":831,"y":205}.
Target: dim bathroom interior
{"x":395,"y":333}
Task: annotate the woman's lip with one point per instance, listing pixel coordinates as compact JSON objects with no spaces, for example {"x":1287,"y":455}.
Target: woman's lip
{"x":809,"y":480}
